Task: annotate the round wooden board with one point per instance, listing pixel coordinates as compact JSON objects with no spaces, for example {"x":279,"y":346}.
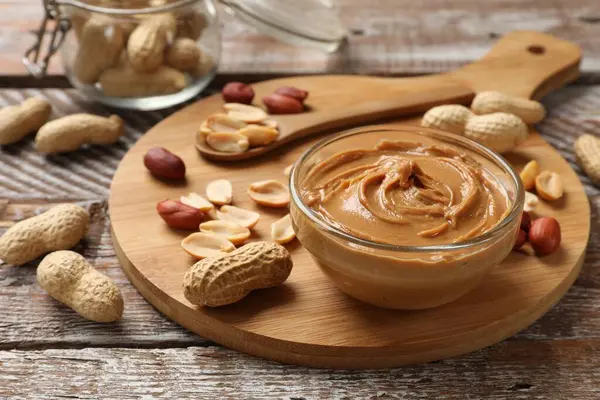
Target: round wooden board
{"x":307,"y":320}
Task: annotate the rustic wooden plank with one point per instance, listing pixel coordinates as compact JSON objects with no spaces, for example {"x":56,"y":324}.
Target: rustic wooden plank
{"x":386,"y":36}
{"x":31,"y":183}
{"x":31,"y":319}
{"x":515,"y":369}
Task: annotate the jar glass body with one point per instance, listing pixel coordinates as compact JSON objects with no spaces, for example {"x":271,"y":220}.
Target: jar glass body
{"x":146,"y":58}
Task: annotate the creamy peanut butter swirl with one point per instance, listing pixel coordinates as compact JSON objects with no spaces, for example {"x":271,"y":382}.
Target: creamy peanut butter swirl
{"x":406,"y":193}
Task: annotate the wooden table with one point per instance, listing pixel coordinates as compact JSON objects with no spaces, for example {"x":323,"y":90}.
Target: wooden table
{"x":47,"y":351}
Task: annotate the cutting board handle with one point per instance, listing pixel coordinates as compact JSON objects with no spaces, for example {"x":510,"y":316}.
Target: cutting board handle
{"x":527,"y":64}
{"x":524,"y":63}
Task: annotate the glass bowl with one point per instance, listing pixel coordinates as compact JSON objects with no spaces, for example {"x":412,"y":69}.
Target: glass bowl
{"x":176,"y":45}
{"x":404,"y":276}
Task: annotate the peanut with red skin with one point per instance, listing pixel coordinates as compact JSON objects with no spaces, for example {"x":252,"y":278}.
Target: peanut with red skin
{"x":525,"y":221}
{"x":521,"y":239}
{"x":278,"y":104}
{"x":545,"y":236}
{"x":164,"y":164}
{"x":238,"y":92}
{"x":180,"y":216}
{"x":292,"y":92}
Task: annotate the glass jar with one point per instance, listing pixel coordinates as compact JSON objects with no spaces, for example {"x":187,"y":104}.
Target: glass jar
{"x":152,"y":54}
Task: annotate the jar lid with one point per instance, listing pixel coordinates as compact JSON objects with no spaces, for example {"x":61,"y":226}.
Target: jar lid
{"x":312,"y":23}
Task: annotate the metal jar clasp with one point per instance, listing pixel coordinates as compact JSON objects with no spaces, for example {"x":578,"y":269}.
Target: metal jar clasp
{"x":35,"y":64}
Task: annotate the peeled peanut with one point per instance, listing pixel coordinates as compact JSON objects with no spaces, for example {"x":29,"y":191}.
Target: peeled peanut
{"x":233,"y":232}
{"x":212,"y":214}
{"x":259,"y":135}
{"x":288,"y":170}
{"x":219,"y":192}
{"x":197,"y":201}
{"x":244,"y":112}
{"x":282,"y":231}
{"x":270,"y":123}
{"x":270,"y":193}
{"x":531,"y":202}
{"x":202,"y":245}
{"x":240,"y":216}
{"x":227,"y":142}
{"x":222,"y":123}
{"x":548,"y":185}
{"x":530,"y":111}
{"x":529,"y":173}
{"x":204,"y":127}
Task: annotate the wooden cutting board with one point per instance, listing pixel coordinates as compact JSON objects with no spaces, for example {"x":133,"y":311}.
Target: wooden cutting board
{"x":307,"y":320}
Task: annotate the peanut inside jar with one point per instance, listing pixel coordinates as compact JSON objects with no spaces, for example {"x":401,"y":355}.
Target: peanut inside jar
{"x":405,"y":192}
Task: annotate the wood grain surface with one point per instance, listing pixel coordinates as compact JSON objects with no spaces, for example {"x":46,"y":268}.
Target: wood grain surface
{"x":59,"y":355}
{"x":386,"y":36}
{"x":517,"y":369}
{"x":335,"y":330}
{"x":555,"y":358}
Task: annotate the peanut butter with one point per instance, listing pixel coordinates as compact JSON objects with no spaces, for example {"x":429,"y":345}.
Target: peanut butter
{"x":405,"y":192}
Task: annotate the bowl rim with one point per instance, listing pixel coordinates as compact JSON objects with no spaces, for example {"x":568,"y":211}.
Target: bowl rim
{"x":497,"y":159}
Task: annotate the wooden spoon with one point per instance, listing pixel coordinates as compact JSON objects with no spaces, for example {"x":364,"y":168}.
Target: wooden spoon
{"x":530,"y":63}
